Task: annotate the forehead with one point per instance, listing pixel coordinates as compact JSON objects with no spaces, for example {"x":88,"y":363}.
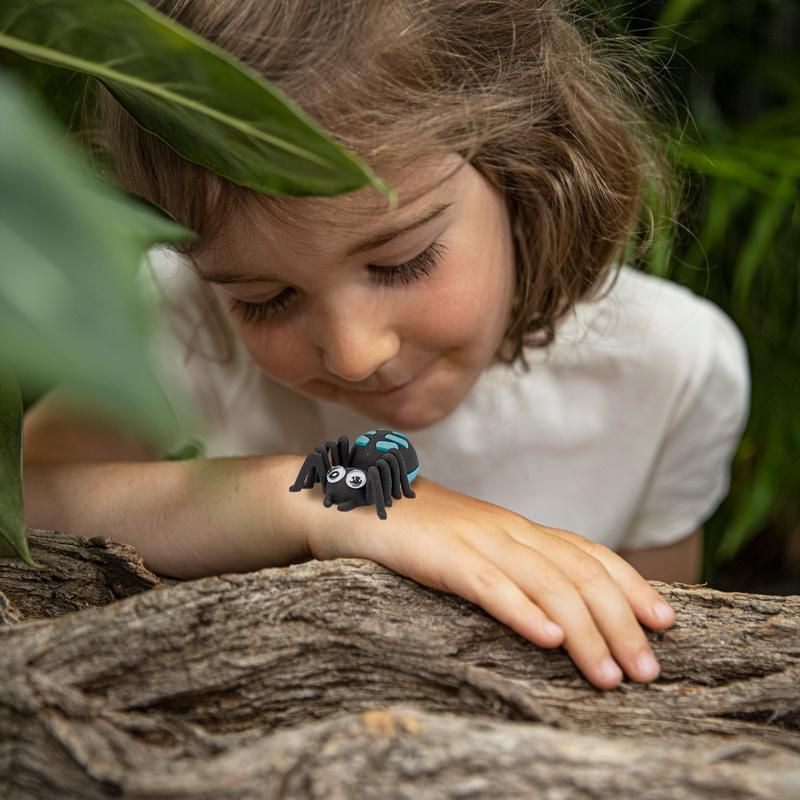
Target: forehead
{"x":343,"y":216}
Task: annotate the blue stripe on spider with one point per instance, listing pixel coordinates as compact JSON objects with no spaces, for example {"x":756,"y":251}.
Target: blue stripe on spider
{"x":385,"y":446}
{"x":399,"y":438}
{"x":363,"y":440}
{"x":413,"y":474}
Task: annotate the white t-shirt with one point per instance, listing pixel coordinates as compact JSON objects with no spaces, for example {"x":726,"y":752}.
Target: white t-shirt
{"x":623,"y":429}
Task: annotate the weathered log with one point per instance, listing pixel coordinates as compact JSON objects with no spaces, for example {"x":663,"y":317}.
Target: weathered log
{"x":343,"y":679}
{"x":76,"y":573}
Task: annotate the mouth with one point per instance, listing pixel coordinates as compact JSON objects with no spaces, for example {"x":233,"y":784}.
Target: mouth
{"x":385,"y":391}
{"x":389,"y":390}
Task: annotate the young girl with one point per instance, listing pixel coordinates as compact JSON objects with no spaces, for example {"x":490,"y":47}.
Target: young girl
{"x":548,"y":391}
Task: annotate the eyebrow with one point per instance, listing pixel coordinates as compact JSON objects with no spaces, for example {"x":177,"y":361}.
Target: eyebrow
{"x":378,"y":240}
{"x":386,"y":236}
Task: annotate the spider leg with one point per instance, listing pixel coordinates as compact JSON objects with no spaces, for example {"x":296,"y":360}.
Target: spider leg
{"x":333,"y":453}
{"x":375,"y":491}
{"x":401,"y":466}
{"x":328,"y":501}
{"x":325,"y":463}
{"x":345,"y":455}
{"x":386,"y":480}
{"x":309,"y":473}
{"x":347,"y":505}
{"x":391,"y":460}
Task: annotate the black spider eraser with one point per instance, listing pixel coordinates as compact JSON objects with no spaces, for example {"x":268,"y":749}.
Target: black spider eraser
{"x":379,"y":466}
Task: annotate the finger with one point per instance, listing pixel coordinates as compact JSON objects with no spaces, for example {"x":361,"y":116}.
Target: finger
{"x":647,"y":602}
{"x":543,"y":580}
{"x":609,"y":608}
{"x":615,"y":618}
{"x":467,"y":573}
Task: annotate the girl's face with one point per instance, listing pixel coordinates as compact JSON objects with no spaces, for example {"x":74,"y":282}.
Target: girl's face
{"x":392,"y":313}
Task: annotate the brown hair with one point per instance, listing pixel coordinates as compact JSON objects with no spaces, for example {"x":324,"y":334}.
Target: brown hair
{"x":547,"y":114}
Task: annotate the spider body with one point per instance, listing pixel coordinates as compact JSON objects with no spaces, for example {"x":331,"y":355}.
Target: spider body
{"x":380,"y":465}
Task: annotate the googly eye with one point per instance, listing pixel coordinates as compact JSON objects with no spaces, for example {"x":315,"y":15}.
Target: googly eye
{"x":356,"y":478}
{"x":335,"y":474}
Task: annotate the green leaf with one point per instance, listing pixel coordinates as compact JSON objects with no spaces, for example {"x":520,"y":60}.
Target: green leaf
{"x":71,"y":309}
{"x":773,"y":210}
{"x":67,"y":93}
{"x":723,"y":162}
{"x":12,"y":520}
{"x":724,"y":199}
{"x":673,"y":14}
{"x":210,"y":108}
{"x":753,"y":508}
{"x":194,"y":448}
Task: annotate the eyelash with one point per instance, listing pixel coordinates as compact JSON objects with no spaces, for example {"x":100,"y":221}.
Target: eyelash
{"x":415,"y":269}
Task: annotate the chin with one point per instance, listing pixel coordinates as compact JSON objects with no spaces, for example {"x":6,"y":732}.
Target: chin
{"x":408,"y":418}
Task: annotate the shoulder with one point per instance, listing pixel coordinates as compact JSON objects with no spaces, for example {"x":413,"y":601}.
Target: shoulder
{"x":652,"y":330}
{"x":636,"y":309}
{"x":186,"y":306}
{"x":195,"y":356}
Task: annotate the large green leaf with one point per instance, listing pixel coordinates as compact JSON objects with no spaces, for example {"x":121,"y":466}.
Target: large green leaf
{"x":210,"y":108}
{"x":71,"y":310}
{"x":12,"y":522}
{"x":67,"y":93}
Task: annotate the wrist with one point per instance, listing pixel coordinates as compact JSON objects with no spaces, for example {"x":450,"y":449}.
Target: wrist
{"x":284,"y":515}
{"x":302,"y":518}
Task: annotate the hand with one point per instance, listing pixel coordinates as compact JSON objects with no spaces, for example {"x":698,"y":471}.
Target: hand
{"x":528,"y":576}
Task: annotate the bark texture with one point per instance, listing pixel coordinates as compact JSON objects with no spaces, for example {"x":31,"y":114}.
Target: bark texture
{"x":343,"y":679}
{"x":76,"y":573}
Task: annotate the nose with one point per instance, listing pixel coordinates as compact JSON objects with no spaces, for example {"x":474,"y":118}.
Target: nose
{"x":355,"y":342}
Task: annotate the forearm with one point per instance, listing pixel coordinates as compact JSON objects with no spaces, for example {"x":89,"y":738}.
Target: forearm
{"x":680,"y":561}
{"x":186,"y":518}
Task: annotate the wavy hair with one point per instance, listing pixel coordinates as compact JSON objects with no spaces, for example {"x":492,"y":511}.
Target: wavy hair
{"x":553,"y":115}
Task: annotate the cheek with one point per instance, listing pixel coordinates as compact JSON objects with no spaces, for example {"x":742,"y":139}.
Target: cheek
{"x":460,"y":303}
{"x":279,"y":350}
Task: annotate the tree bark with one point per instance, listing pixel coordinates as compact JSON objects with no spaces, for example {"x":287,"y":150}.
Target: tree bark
{"x":343,"y":679}
{"x":77,"y":573}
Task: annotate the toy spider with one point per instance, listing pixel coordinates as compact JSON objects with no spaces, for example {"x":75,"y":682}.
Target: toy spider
{"x":380,"y":464}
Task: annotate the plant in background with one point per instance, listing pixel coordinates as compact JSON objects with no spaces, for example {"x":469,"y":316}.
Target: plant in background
{"x":65,"y":238}
{"x":737,"y":68}
{"x":70,"y":310}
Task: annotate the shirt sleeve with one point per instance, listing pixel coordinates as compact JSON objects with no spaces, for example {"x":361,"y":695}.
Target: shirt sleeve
{"x":159,"y":279}
{"x":691,"y":473}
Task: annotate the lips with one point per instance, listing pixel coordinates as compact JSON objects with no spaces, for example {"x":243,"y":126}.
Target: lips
{"x":385,"y":388}
{"x":380,"y":390}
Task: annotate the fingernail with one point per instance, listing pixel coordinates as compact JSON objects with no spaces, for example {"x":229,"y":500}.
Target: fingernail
{"x":663,"y":612}
{"x":609,"y":671}
{"x":647,"y":666}
{"x":551,"y":629}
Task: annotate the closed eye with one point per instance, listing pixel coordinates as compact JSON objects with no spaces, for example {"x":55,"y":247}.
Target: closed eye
{"x":403,"y":274}
{"x":264,"y":310}
{"x":416,"y":268}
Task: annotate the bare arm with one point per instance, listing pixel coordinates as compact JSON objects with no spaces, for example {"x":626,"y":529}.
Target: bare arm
{"x":680,"y":561}
{"x":193,"y":518}
{"x":186,"y":518}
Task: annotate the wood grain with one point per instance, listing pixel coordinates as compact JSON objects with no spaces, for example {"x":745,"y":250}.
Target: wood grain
{"x":344,"y":679}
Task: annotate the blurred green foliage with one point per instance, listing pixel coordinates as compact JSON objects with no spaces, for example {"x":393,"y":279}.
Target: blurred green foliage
{"x":71,"y":308}
{"x":731,"y":72}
